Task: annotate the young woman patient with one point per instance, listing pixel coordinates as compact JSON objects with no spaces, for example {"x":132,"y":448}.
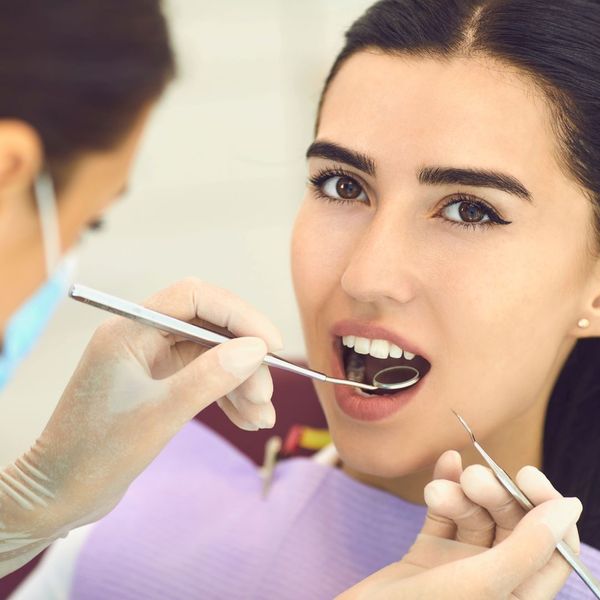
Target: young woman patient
{"x":451,"y":223}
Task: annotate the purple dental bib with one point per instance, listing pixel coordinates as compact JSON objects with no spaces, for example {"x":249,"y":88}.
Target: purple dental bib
{"x":195,"y":525}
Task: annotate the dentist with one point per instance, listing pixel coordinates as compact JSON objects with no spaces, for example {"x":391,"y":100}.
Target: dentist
{"x":77,"y":83}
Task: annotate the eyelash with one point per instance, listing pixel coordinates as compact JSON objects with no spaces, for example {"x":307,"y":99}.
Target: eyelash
{"x":489,"y":212}
{"x":320,"y":178}
{"x":97,"y":225}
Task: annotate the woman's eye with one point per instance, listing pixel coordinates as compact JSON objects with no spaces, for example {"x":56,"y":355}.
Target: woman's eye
{"x":342,"y":187}
{"x":471,"y":213}
{"x":466,"y":212}
{"x":96,"y":225}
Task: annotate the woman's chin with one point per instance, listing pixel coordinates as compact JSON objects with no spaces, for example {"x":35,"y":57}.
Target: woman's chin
{"x":389,"y":452}
{"x":375,"y":459}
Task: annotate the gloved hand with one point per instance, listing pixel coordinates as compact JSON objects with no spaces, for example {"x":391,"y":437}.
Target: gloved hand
{"x":478,"y":543}
{"x":133,"y":389}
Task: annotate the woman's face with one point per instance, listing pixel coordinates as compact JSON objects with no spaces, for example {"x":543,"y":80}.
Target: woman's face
{"x":440,"y":221}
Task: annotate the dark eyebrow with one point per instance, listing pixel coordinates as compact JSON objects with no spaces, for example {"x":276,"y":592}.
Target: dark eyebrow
{"x":475,"y":178}
{"x":427,"y":175}
{"x":332,"y":151}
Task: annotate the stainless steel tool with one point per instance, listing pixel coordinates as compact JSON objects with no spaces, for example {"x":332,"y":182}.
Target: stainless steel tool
{"x":514,"y":490}
{"x":206,"y":337}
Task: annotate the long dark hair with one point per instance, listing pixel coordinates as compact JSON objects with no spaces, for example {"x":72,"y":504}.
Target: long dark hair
{"x":80,"y":72}
{"x":557,"y":43}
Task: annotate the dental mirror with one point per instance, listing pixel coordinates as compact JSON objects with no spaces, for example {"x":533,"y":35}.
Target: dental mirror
{"x":390,"y":379}
{"x":395,"y":378}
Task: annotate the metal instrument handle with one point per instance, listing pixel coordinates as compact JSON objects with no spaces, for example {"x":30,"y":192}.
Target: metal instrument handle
{"x":562,"y":547}
{"x":194,"y":333}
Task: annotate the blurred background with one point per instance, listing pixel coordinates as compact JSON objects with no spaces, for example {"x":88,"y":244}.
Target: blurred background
{"x":216,"y":185}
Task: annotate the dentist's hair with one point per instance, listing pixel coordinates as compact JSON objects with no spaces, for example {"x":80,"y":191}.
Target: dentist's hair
{"x":557,"y":44}
{"x":80,"y":72}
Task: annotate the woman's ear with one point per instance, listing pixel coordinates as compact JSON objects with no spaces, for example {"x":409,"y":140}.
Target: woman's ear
{"x":588,"y":321}
{"x":21,"y":156}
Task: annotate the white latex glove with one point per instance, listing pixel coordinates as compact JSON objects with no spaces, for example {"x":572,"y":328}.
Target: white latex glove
{"x":477,"y":543}
{"x":133,"y":389}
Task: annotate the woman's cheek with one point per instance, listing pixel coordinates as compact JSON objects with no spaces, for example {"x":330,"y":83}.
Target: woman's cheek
{"x":322,"y":244}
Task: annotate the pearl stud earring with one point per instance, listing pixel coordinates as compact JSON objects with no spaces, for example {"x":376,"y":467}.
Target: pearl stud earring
{"x":583,"y":323}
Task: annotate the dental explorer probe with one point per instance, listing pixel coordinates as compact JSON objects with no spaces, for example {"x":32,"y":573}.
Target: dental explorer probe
{"x":209,"y":338}
{"x":502,"y":476}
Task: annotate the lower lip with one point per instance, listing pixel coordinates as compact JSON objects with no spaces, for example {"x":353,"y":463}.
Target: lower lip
{"x":369,"y":408}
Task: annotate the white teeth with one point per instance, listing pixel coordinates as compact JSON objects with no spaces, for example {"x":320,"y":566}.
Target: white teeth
{"x":395,"y":351}
{"x":362,"y":345}
{"x":377,"y":348}
{"x":380,"y":349}
{"x":348,"y":341}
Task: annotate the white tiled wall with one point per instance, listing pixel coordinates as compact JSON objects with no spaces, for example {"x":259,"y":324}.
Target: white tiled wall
{"x":216,"y":185}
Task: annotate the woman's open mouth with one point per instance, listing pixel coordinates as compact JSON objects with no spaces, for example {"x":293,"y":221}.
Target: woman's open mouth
{"x":364,"y":358}
{"x":359,"y":358}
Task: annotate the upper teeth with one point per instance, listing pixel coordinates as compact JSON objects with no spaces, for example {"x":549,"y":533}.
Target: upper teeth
{"x":376,"y":348}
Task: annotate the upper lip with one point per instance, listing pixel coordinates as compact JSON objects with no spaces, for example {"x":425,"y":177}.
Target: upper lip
{"x":374,"y":331}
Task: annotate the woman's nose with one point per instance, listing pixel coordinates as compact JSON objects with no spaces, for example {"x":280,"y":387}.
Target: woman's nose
{"x":382,"y":268}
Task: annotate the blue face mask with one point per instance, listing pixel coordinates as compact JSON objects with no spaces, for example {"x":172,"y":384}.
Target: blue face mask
{"x":27,"y":324}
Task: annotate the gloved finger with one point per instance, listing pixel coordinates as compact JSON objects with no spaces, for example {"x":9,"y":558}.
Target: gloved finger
{"x":186,"y":352}
{"x":257,"y":389}
{"x":529,"y":547}
{"x":551,"y":578}
{"x":430,"y":558}
{"x":547,"y":582}
{"x":192,"y":299}
{"x":482,"y":487}
{"x":474,"y":525}
{"x":252,"y":399}
{"x":213,"y":375}
{"x":538,"y":489}
{"x":429,"y":552}
{"x":494,"y":573}
{"x":169,"y":357}
{"x":448,"y":466}
{"x":497,"y":572}
{"x":233,"y":414}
